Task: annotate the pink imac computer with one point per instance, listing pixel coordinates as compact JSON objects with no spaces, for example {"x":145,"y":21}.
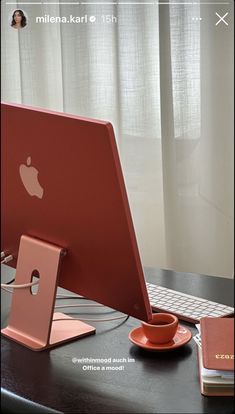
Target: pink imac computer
{"x":66,"y":218}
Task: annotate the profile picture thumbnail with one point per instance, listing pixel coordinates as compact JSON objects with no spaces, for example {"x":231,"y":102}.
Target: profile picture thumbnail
{"x":19,"y":20}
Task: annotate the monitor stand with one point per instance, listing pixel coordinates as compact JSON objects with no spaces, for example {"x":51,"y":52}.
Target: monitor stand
{"x":32,"y":320}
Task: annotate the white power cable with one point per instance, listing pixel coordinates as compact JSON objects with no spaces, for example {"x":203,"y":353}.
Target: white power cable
{"x":91,"y":320}
{"x":6,"y":259}
{"x":6,"y":286}
{"x":24,"y":285}
{"x":82,"y":305}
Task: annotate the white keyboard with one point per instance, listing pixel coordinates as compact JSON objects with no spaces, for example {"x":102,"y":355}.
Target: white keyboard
{"x":185,"y":307}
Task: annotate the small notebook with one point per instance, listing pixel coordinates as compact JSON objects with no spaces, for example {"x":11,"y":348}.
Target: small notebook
{"x":217,"y":337}
{"x":216,"y":356}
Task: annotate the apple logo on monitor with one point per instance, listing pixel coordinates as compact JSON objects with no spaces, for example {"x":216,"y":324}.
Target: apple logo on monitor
{"x":29,"y":178}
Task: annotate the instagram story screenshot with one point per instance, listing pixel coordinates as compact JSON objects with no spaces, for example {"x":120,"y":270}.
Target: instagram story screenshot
{"x":118,"y":189}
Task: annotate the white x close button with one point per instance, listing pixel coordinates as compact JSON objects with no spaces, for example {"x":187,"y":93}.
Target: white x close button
{"x":221,"y":19}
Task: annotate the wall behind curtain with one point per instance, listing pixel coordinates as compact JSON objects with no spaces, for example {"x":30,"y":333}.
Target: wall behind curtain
{"x":178,"y":170}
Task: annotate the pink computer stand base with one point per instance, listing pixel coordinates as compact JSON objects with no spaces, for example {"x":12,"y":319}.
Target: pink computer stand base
{"x":32,"y":322}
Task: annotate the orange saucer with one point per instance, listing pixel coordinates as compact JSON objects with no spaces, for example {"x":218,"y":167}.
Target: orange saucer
{"x":182,"y":336}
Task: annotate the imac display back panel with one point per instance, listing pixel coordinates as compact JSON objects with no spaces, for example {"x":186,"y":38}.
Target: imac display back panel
{"x":62,"y":183}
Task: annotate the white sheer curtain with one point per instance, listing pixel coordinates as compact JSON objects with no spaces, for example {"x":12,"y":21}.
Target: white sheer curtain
{"x":165,"y":82}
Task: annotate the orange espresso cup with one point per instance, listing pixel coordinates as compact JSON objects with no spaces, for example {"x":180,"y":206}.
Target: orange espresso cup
{"x":161,"y":329}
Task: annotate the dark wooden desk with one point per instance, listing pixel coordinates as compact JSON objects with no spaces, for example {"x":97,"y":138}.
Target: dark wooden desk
{"x":154,"y":383}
